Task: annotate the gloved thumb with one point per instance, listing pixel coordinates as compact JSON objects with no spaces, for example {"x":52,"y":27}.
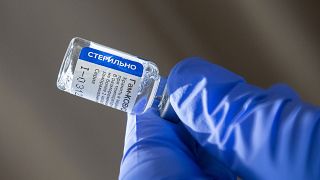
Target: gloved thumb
{"x":259,"y":134}
{"x":196,"y":88}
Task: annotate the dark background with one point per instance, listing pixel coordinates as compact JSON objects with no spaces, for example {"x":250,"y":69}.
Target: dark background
{"x":48,"y":134}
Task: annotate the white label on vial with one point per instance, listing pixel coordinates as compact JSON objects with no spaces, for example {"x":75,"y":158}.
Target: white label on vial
{"x":107,"y":79}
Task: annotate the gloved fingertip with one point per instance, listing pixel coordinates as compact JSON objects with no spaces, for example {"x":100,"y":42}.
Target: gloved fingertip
{"x":151,"y":114}
{"x":192,"y":75}
{"x":193,"y":69}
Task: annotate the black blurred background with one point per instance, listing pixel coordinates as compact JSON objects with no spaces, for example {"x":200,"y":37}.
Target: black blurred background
{"x":48,"y":134}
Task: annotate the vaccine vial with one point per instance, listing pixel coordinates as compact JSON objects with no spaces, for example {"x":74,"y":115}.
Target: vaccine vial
{"x":108,"y":76}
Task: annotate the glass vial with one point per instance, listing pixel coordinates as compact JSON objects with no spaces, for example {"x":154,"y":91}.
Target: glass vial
{"x":108,"y":76}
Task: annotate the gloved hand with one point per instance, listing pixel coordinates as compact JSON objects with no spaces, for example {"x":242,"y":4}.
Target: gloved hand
{"x":159,"y":149}
{"x":225,"y":124}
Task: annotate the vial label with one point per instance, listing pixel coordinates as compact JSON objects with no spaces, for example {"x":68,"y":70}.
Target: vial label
{"x":107,"y":78}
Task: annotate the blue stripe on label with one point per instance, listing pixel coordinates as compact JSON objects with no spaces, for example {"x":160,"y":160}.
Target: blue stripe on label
{"x":111,"y":61}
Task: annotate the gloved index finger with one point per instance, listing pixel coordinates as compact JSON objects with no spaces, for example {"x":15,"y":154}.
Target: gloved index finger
{"x":156,"y":148}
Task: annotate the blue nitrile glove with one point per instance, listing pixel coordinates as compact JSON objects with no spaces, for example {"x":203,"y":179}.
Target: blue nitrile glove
{"x":159,"y":149}
{"x":259,"y":134}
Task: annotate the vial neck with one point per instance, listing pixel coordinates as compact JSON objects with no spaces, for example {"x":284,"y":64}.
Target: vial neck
{"x":162,"y":101}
